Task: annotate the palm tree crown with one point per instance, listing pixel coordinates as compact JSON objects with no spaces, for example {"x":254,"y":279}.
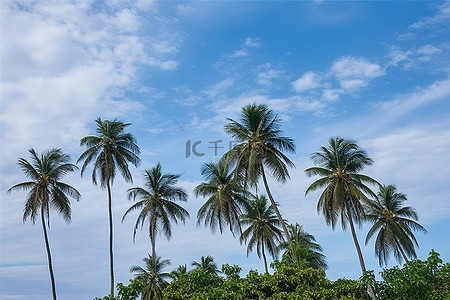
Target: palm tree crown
{"x":156,"y":203}
{"x":109,"y":150}
{"x":305,"y":248}
{"x":260,"y":146}
{"x":345,"y":188}
{"x":394,"y":224}
{"x":206,"y":264}
{"x":263,"y":231}
{"x":46,"y":191}
{"x":227,"y":198}
{"x":152,"y":276}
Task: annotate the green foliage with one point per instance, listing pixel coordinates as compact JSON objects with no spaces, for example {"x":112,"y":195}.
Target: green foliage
{"x":429,"y":279}
{"x":127,"y":292}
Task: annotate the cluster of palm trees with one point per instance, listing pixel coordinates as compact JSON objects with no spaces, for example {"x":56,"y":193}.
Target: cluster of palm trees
{"x":231,"y":190}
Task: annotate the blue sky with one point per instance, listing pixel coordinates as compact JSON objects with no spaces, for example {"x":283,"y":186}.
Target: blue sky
{"x":377,"y":72}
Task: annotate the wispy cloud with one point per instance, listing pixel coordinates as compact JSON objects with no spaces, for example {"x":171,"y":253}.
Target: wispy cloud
{"x":266,"y":73}
{"x":442,"y":16}
{"x":248,"y":43}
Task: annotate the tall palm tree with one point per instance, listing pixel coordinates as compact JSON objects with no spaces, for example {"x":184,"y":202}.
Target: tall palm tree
{"x":263,"y":231}
{"x":306,"y":250}
{"x":207,"y":264}
{"x":260,"y":148}
{"x":156,"y":203}
{"x":152,"y":276}
{"x":227,"y":198}
{"x":47,"y":191}
{"x":394,"y":224}
{"x":110,"y":150}
{"x":339,"y":166}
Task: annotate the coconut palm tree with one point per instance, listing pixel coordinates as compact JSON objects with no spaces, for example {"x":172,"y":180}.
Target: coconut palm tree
{"x":152,"y":276}
{"x":263,"y":229}
{"x":394,"y":224}
{"x":339,"y":166}
{"x":260,"y":146}
{"x":306,"y":250}
{"x":111,"y":150}
{"x":227,"y":198}
{"x":47,"y":191}
{"x":156,"y":202}
{"x":178,"y":272}
{"x":207,"y":264}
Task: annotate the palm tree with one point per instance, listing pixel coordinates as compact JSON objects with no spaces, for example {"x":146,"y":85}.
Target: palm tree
{"x":152,"y":277}
{"x":394,"y":224}
{"x":156,"y":203}
{"x":178,"y":272}
{"x":206,"y":264}
{"x":306,"y":250}
{"x":110,"y":150}
{"x":226,"y":199}
{"x":345,"y":188}
{"x":263,"y":230}
{"x":47,"y":191}
{"x":260,"y":147}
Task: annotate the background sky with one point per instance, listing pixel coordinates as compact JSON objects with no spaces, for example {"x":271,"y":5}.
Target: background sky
{"x":374,"y":71}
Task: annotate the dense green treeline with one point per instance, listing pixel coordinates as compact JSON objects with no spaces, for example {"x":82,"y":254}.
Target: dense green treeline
{"x":232,"y":191}
{"x":416,"y":280}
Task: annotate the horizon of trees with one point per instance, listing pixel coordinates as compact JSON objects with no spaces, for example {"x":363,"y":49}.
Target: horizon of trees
{"x":232,"y":194}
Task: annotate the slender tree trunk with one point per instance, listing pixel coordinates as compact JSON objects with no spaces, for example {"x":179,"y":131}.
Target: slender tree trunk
{"x":264,"y":256}
{"x":153,"y":237}
{"x":111,"y":254}
{"x":355,"y":240}
{"x":280,"y":219}
{"x":370,"y":290}
{"x":49,"y":256}
{"x":274,"y":205}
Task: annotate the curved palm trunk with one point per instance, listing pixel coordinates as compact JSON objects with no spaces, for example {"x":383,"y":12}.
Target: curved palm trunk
{"x":370,"y":290}
{"x":355,"y":240}
{"x":274,"y":205}
{"x":264,"y":256}
{"x":280,"y":219}
{"x":111,"y":254}
{"x":49,"y":256}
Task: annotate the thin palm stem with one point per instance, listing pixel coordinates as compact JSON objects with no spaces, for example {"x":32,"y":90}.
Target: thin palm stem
{"x":49,"y":256}
{"x":111,"y":235}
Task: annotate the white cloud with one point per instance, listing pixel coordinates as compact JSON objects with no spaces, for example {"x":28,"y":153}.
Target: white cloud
{"x":307,"y":81}
{"x":265,"y":74}
{"x":252,"y":43}
{"x":216,"y":90}
{"x":442,"y":16}
{"x":412,"y":158}
{"x":355,"y":72}
{"x":409,"y":59}
{"x":403,"y":104}
{"x":239,"y":53}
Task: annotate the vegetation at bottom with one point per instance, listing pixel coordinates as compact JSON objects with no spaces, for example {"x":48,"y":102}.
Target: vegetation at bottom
{"x":417,"y":279}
